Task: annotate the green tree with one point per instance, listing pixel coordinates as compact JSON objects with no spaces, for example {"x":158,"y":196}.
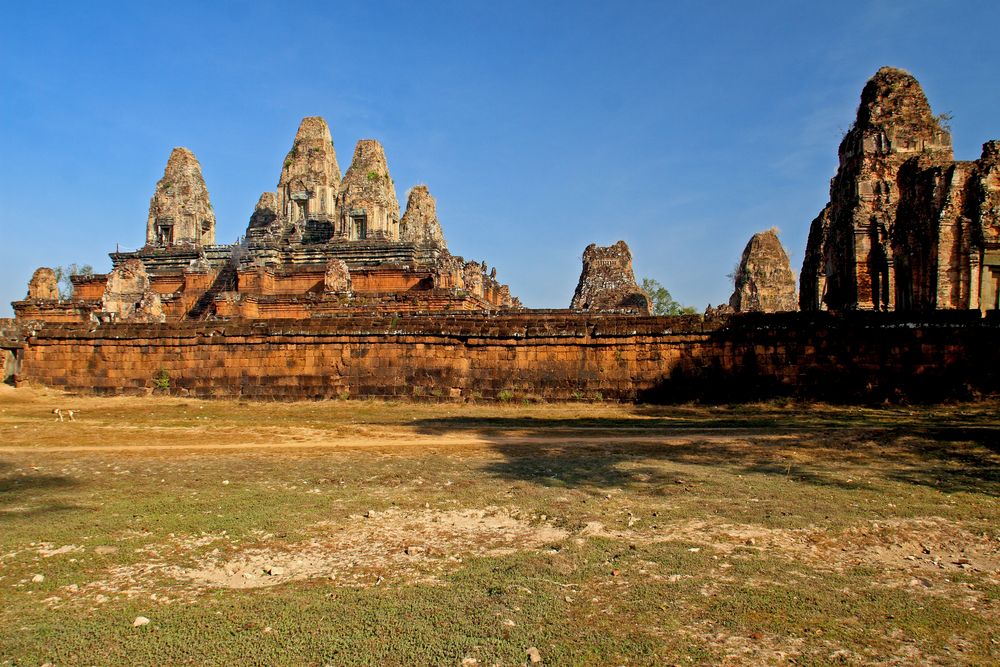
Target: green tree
{"x":663,"y":303}
{"x":63,"y":274}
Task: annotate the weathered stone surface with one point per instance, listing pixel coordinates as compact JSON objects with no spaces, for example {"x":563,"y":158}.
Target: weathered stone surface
{"x":907,"y":228}
{"x":180,"y":212}
{"x":420,"y":223}
{"x":128,"y":296}
{"x":337,"y":278}
{"x":310,"y":175}
{"x":264,"y":220}
{"x":816,"y":264}
{"x":473,"y":277}
{"x":764,"y":282}
{"x":304,"y":255}
{"x":553,"y":355}
{"x":607,"y":281}
{"x":368,"y":205}
{"x":43,"y":284}
{"x":894,"y":123}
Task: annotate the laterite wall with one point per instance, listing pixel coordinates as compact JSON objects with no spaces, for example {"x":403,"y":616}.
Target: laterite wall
{"x":547,"y":355}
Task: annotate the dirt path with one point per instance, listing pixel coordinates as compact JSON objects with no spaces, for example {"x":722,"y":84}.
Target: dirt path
{"x":406,"y":440}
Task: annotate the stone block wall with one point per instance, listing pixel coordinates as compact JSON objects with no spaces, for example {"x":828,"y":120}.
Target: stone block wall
{"x":551,"y":356}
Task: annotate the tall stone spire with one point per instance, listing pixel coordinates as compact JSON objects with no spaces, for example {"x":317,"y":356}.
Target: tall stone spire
{"x":180,"y":212}
{"x":368,"y":204}
{"x":420,"y":223}
{"x":764,"y":282}
{"x":849,"y":262}
{"x":310,"y":175}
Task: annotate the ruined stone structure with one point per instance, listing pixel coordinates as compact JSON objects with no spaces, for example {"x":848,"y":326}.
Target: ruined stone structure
{"x":44,"y":285}
{"x":310,"y":176}
{"x":420,"y":223}
{"x":332,"y":293}
{"x":607,"y":282}
{"x":552,"y":355}
{"x":321,"y":245}
{"x":907,"y":227}
{"x":128,"y":295}
{"x":764,"y":282}
{"x":180,"y":212}
{"x":369,"y":208}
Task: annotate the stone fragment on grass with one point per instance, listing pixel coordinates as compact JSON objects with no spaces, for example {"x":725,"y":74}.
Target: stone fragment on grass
{"x":38,"y":578}
{"x":140,"y":621}
{"x":534,"y":657}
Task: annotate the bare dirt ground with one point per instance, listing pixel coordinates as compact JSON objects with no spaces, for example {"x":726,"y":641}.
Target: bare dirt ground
{"x":401,"y":533}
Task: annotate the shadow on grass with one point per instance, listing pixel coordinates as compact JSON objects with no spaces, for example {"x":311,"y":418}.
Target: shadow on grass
{"x":24,"y":494}
{"x":820,"y":451}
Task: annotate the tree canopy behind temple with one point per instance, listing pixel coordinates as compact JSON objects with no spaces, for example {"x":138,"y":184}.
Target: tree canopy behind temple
{"x":663,"y":302}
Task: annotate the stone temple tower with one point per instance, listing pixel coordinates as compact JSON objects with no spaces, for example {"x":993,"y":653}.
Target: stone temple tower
{"x":850,"y":262}
{"x":368,"y":205}
{"x":310,"y":175}
{"x":180,"y":212}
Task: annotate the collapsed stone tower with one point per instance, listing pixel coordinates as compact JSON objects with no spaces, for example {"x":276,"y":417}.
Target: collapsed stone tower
{"x":129,"y":295}
{"x":906,"y":226}
{"x":180,"y":212}
{"x":368,"y":204}
{"x":264,"y":220}
{"x":310,"y":176}
{"x":607,"y":281}
{"x":420,"y":223}
{"x":764,"y":282}
{"x":44,"y":284}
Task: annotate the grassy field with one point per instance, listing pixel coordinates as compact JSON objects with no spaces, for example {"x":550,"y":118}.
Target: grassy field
{"x":372,"y":533}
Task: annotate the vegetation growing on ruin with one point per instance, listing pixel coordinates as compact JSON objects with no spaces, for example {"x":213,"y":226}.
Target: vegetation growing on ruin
{"x":64,"y":275}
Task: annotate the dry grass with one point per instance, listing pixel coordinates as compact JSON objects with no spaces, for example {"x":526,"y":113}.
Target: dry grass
{"x":379,"y":533}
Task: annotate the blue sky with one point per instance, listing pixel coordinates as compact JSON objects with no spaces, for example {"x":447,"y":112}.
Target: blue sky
{"x":540,"y":127}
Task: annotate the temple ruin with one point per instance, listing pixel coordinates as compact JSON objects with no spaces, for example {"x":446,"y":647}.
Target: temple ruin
{"x":607,"y":282}
{"x":764,"y":282}
{"x":320,"y":245}
{"x":334,"y":292}
{"x":907,"y":227}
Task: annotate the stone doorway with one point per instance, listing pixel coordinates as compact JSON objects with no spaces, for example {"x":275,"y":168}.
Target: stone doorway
{"x":990,"y":294}
{"x":360,"y":225}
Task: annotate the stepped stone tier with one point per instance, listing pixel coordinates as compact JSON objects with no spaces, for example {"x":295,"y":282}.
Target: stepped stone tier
{"x":907,"y":227}
{"x":320,"y":245}
{"x":607,"y":282}
{"x":764,"y":282}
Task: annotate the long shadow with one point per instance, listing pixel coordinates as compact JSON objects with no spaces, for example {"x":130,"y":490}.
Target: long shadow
{"x":809,"y":450}
{"x":17,"y":492}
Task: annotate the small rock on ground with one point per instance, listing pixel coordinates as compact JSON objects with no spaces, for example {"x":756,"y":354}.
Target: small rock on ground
{"x":534,"y":657}
{"x":139,"y":620}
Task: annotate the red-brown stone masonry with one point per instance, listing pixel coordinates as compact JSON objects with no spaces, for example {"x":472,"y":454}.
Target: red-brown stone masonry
{"x":490,"y":356}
